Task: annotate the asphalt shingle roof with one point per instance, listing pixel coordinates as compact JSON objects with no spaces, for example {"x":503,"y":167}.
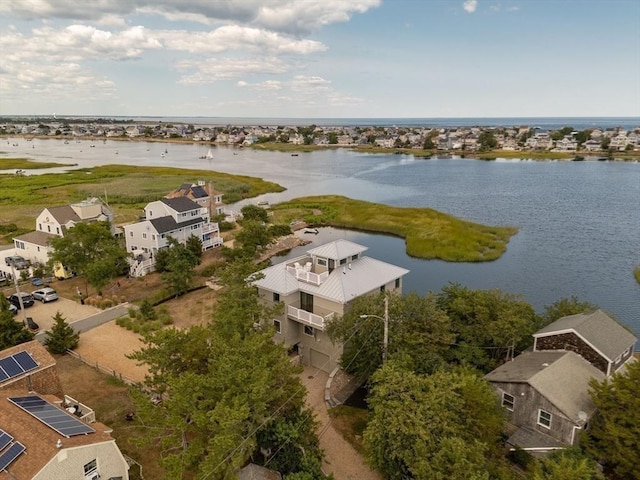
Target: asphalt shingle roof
{"x":180,"y":204}
{"x":168,"y":224}
{"x":597,"y":328}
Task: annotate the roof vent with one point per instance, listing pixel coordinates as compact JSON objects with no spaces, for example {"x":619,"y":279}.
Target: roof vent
{"x":545,"y":364}
{"x":59,"y":444}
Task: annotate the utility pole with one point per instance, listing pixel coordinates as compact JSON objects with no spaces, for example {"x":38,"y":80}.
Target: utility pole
{"x":385,"y":339}
{"x":15,"y":281}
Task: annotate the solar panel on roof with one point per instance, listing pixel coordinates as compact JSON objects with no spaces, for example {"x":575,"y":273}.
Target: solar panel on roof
{"x":59,"y":420}
{"x":25,"y":360}
{"x":5,"y":439}
{"x":16,"y":364}
{"x":10,"y":455}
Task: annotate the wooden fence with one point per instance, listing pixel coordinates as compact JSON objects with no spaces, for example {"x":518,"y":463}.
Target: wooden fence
{"x":103,"y":369}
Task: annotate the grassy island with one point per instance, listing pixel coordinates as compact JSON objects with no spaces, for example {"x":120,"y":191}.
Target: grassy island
{"x":128,"y":189}
{"x":26,"y":164}
{"x":428,"y":233}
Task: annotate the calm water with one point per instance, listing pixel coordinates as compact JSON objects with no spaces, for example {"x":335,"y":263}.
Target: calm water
{"x":579,"y":222}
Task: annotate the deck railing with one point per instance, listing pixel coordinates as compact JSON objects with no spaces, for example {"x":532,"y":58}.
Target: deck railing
{"x":308,"y":318}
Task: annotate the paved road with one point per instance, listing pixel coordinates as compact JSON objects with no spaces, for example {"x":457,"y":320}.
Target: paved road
{"x":94,"y":320}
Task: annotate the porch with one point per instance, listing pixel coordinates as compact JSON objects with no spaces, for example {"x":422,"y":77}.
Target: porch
{"x":312,"y":319}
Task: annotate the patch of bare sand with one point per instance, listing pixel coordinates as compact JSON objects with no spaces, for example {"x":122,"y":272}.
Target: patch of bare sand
{"x":108,"y":345}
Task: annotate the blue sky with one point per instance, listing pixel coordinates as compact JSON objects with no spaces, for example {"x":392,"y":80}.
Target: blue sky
{"x":320,"y":58}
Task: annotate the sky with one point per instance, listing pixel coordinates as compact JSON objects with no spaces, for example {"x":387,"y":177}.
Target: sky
{"x":320,"y":58}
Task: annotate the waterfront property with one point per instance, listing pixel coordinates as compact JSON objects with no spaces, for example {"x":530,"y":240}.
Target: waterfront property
{"x":201,"y":193}
{"x":179,"y":218}
{"x":54,"y":222}
{"x":316,"y":287}
{"x":545,"y":393}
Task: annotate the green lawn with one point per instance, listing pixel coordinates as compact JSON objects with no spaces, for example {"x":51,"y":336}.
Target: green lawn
{"x":26,"y":164}
{"x":428,"y":233}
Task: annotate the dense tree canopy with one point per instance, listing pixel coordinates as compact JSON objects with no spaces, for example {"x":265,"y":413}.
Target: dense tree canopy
{"x":177,"y":265}
{"x":614,"y":436}
{"x":489,"y":325}
{"x":90,"y":250}
{"x":565,"y":307}
{"x":441,"y":426}
{"x":418,"y":333}
{"x":230,"y":394}
{"x":568,"y":464}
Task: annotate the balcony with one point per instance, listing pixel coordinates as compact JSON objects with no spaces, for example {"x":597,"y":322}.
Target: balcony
{"x":306,"y":276}
{"x":210,"y":228}
{"x":308,"y":318}
{"x":80,"y":410}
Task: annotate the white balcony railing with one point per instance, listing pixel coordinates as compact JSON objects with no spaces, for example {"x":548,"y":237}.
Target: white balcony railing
{"x":210,"y":228}
{"x":308,"y":318}
{"x":85,"y":413}
{"x":308,"y":277}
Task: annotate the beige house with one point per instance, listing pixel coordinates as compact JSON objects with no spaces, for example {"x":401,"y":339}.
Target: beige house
{"x":54,"y":222}
{"x":317,"y":286}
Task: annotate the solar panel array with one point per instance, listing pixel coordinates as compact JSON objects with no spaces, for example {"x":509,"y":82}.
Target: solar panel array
{"x":16,"y":364}
{"x":62,"y":422}
{"x":8,"y":455}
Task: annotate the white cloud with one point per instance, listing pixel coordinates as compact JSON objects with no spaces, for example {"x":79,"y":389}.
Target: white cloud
{"x":470,"y":6}
{"x":197,"y":72}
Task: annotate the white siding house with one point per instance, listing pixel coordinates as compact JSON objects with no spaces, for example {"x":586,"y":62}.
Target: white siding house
{"x":178,"y":218}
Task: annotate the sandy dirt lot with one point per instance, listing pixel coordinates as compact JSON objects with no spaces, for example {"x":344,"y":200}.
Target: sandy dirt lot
{"x":43,"y":313}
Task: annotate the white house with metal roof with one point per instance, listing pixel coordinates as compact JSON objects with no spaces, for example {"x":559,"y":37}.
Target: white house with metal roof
{"x":317,"y":286}
{"x":179,"y":218}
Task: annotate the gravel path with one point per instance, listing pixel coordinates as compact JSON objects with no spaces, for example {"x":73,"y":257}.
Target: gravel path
{"x":341,"y":458}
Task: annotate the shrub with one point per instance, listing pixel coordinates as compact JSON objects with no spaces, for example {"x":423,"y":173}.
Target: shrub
{"x":61,"y":337}
{"x":106,"y":303}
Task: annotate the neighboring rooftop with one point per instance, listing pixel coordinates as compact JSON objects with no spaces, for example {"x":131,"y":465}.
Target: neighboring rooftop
{"x":180,"y":204}
{"x":560,"y":376}
{"x":602,"y":332}
{"x":36,"y":351}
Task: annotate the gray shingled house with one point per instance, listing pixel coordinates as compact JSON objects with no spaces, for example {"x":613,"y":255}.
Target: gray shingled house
{"x":545,"y":392}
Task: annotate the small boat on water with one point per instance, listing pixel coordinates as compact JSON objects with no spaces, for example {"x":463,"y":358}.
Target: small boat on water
{"x":208,"y":156}
{"x":162,"y":155}
{"x":315,"y":231}
{"x":294,"y":154}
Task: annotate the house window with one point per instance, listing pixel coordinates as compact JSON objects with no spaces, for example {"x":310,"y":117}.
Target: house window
{"x":49,"y":228}
{"x":354,"y":257}
{"x":308,"y":330}
{"x":58,"y":230}
{"x":306,"y":302}
{"x":153,"y":237}
{"x":194,"y":227}
{"x":322,"y":262}
{"x":276,"y":323}
{"x":343,"y":261}
{"x":397,"y":283}
{"x":382,"y":288}
{"x":276,"y":297}
{"x":40,"y":226}
{"x":544,"y":418}
{"x":508,"y":401}
{"x":91,"y":469}
{"x":131,"y":233}
{"x":144,"y":235}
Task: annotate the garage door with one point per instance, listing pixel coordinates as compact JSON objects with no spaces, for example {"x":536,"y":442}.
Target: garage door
{"x":319,"y":360}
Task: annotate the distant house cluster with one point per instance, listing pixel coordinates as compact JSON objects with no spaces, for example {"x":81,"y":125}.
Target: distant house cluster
{"x":466,"y":139}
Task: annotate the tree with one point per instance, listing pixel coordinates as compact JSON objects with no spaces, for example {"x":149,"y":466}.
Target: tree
{"x":489,"y":325}
{"x":559,"y":134}
{"x":440,"y":426}
{"x":567,"y":464}
{"x":179,"y":267}
{"x":230,"y":392}
{"x":333,"y":138}
{"x":194,"y":245}
{"x":418,"y":333}
{"x":90,"y":250}
{"x":254,"y":212}
{"x":428,"y":144}
{"x":614,"y":436}
{"x":253,"y":237}
{"x":12,"y":333}
{"x":565,"y":307}
{"x":487,"y":140}
{"x":61,"y":337}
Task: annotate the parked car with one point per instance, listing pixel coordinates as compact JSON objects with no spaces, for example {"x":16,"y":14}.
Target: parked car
{"x":13,"y":309}
{"x":45,"y":295}
{"x":18,"y":262}
{"x":37,"y":281}
{"x":27,"y":300}
{"x":31,"y":325}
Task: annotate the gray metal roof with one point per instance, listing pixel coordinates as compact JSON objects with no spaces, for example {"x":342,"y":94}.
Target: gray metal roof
{"x":343,"y":284}
{"x":597,"y":328}
{"x":561,"y":377}
{"x":180,"y":204}
{"x":337,"y":250}
{"x":528,"y":438}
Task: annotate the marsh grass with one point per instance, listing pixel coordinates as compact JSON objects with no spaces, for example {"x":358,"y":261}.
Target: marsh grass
{"x":636,"y":273}
{"x":428,"y":233}
{"x":127,"y":188}
{"x":26,"y":164}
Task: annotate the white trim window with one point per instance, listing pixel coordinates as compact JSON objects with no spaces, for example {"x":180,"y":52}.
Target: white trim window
{"x":278,"y":325}
{"x":309,"y":331}
{"x":544,"y":418}
{"x":91,"y":470}
{"x":508,"y":401}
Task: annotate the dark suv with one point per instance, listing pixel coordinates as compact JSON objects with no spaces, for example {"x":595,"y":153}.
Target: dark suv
{"x":27,"y":300}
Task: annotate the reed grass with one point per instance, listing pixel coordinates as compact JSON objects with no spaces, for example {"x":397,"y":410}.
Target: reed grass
{"x":428,"y":233}
{"x":26,"y":164}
